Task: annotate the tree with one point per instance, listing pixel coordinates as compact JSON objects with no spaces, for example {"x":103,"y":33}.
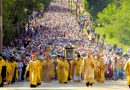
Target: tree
{"x":14,"y":12}
{"x":116,"y":20}
{"x":95,"y":6}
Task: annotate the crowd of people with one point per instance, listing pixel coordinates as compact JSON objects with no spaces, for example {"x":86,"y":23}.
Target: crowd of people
{"x":41,"y":56}
{"x":90,"y":68}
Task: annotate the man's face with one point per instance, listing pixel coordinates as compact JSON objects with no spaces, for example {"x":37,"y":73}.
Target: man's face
{"x":34,"y":57}
{"x":88,"y":54}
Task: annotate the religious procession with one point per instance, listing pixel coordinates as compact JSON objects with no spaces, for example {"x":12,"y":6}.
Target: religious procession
{"x":90,"y":69}
{"x":55,"y":48}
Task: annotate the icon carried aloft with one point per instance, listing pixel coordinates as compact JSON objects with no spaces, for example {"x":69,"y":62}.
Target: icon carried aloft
{"x":69,"y":52}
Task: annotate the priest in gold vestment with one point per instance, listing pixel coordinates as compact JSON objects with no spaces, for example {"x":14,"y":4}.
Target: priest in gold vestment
{"x":47,"y":69}
{"x":63,"y":70}
{"x":14,"y":70}
{"x":99,"y":69}
{"x":39,"y":71}
{"x":89,"y":67}
{"x":77,"y":64}
{"x":127,"y":71}
{"x":33,"y":71}
{"x":9,"y":72}
{"x":102,"y":70}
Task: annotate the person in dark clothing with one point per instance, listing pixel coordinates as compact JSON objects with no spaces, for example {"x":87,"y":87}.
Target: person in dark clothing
{"x":23,"y":70}
{"x":1,"y":83}
{"x":3,"y":70}
{"x":98,"y":36}
{"x":15,"y":69}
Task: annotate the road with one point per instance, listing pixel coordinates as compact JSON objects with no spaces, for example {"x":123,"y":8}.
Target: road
{"x":54,"y":85}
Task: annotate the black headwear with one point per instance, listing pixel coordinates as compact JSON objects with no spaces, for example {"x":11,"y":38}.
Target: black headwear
{"x":78,"y":55}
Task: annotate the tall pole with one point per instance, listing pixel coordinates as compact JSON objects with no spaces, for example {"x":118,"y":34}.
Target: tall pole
{"x":68,"y":2}
{"x":1,"y":30}
{"x":76,"y":9}
{"x":71,"y":5}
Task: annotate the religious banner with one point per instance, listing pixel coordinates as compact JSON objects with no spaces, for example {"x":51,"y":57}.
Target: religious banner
{"x":69,"y":52}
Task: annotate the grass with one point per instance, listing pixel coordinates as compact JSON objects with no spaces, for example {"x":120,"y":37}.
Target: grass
{"x":113,"y":40}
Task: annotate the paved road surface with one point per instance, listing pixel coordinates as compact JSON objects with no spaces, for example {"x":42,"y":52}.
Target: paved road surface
{"x":108,"y":85}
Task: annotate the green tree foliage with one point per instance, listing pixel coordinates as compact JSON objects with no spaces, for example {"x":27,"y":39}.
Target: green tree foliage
{"x":113,"y":16}
{"x":15,"y":11}
{"x":95,"y":6}
{"x":46,"y":2}
{"x":8,"y":25}
{"x":116,"y":20}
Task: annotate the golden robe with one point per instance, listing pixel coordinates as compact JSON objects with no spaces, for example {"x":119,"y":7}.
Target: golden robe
{"x":127,"y":70}
{"x":3,"y":64}
{"x":14,"y":70}
{"x":58,"y":69}
{"x":0,"y":74}
{"x":63,"y":71}
{"x":39,"y":71}
{"x":47,"y":70}
{"x":102,"y":71}
{"x":78,"y":64}
{"x":9,"y":72}
{"x":97,"y":70}
{"x":33,"y":72}
{"x":89,"y":66}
